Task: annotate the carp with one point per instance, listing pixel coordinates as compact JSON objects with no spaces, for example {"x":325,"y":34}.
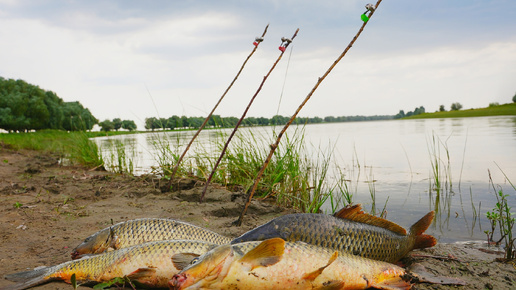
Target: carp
{"x":150,"y":264}
{"x":134,"y":232}
{"x":276,"y":264}
{"x":349,"y":230}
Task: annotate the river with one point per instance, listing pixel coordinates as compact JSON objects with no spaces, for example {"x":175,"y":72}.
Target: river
{"x":394,"y":160}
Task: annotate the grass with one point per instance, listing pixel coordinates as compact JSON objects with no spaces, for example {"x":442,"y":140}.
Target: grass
{"x":500,"y":110}
{"x":74,"y":146}
{"x":441,"y":178}
{"x":293,"y":178}
{"x":502,"y":217}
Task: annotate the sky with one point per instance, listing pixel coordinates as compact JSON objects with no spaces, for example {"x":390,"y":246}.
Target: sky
{"x":137,"y":59}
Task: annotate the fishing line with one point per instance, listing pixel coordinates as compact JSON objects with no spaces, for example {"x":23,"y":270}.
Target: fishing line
{"x":284,"y":79}
{"x":365,"y":18}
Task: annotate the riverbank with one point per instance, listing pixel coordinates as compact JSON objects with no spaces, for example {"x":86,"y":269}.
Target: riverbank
{"x":47,"y":209}
{"x":500,"y":110}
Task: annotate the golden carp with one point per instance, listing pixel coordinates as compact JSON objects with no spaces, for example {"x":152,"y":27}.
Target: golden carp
{"x":349,"y":230}
{"x":276,"y":264}
{"x":134,"y":232}
{"x":151,"y":264}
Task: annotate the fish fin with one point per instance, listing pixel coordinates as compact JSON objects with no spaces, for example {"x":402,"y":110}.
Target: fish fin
{"x":332,"y":285}
{"x":312,"y":275}
{"x":421,"y":225}
{"x":27,"y":275}
{"x":29,"y":279}
{"x":392,"y":283}
{"x":267,"y":253}
{"x":424,"y":241}
{"x":142,"y":273}
{"x":355,"y":213}
{"x":182,"y":260}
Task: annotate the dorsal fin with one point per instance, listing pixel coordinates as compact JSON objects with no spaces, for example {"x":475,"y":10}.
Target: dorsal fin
{"x":267,"y":253}
{"x":355,"y":213}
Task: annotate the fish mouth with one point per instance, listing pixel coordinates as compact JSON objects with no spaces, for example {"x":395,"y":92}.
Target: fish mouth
{"x":75,"y":255}
{"x":176,"y":281}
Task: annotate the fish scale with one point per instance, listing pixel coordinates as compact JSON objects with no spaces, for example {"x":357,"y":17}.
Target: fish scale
{"x":387,"y":242}
{"x":152,"y":259}
{"x":134,"y":232}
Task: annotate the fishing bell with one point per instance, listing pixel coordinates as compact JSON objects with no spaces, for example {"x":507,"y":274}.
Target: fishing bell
{"x":257,"y":41}
{"x":287,"y":40}
{"x":369,"y":7}
{"x":282,"y":48}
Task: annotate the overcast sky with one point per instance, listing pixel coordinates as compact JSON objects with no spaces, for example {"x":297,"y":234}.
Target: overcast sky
{"x":137,"y":59}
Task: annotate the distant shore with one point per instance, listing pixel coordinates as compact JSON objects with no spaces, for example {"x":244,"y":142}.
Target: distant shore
{"x":500,"y":110}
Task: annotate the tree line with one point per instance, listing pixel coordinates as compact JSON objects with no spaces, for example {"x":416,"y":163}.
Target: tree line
{"x":421,"y":110}
{"x":216,"y":121}
{"x":25,"y":107}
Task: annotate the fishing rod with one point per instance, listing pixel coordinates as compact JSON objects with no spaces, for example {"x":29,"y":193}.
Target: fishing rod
{"x":285,"y":42}
{"x":365,"y":18}
{"x":256,"y":42}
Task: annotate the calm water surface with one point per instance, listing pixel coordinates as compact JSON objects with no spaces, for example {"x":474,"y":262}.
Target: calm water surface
{"x":393,"y":159}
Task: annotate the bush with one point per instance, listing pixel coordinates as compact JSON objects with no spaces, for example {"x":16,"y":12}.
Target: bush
{"x":456,"y":106}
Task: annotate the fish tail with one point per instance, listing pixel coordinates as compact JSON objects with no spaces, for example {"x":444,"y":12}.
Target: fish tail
{"x":28,"y":279}
{"x":423,"y":241}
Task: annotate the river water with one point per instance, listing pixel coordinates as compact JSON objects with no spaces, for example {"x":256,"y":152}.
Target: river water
{"x":394,"y":160}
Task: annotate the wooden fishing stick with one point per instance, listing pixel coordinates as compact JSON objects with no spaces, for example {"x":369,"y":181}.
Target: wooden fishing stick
{"x":257,"y":41}
{"x":285,"y":42}
{"x":319,"y":81}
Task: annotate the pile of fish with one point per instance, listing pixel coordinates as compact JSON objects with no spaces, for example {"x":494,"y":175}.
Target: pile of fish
{"x":349,"y":250}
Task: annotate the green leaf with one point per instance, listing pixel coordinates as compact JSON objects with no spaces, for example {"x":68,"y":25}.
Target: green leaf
{"x":73,"y":281}
{"x":116,"y":280}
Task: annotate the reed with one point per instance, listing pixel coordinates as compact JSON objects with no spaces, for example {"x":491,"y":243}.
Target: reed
{"x":121,"y":158}
{"x":294,"y":178}
{"x":440,"y":177}
{"x":80,"y":149}
{"x":372,"y":190}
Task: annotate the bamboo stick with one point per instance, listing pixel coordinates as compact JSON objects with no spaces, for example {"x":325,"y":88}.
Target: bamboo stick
{"x":174,"y":170}
{"x":284,"y":44}
{"x":275,"y":145}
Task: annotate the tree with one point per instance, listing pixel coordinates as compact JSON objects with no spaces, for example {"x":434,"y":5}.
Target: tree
{"x":279,"y":120}
{"x":514,"y":98}
{"x":128,"y":125}
{"x":106,"y":125}
{"x":442,"y":108}
{"x":400,"y":115}
{"x":184,"y":122}
{"x":117,"y":123}
{"x":195,"y":122}
{"x":456,"y":106}
{"x":27,"y":107}
{"x":55,"y":108}
{"x":149,"y":123}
